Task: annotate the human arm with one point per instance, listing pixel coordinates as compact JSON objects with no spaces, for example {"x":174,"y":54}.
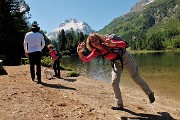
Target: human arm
{"x":53,"y":54}
{"x":113,"y":43}
{"x":25,"y":44}
{"x":42,"y":42}
{"x":80,"y":49}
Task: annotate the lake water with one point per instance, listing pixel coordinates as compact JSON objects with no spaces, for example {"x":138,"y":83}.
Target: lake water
{"x":161,"y":70}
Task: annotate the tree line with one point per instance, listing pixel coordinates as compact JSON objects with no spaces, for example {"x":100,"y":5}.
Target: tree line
{"x":157,"y":27}
{"x":67,"y":42}
{"x":14,"y":24}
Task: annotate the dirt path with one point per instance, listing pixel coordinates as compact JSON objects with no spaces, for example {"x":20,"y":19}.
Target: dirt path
{"x":75,"y":98}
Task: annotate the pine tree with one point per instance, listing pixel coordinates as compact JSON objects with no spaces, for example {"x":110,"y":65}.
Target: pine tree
{"x":62,"y":40}
{"x":13,"y":26}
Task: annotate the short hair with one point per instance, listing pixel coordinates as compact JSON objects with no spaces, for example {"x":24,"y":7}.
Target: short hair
{"x":50,"y":46}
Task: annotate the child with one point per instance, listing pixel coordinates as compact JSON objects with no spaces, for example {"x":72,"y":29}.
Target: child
{"x":56,"y":60}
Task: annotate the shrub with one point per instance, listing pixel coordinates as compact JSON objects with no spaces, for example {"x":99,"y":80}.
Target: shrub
{"x":46,"y":61}
{"x":24,"y":61}
{"x":73,"y":74}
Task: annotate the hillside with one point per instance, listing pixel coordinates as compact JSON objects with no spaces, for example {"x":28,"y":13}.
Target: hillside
{"x":155,"y":26}
{"x":75,"y":98}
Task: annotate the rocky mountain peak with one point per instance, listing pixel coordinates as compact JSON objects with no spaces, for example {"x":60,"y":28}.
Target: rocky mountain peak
{"x":77,"y":25}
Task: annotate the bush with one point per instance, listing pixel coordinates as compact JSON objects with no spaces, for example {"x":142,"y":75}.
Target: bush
{"x":24,"y":61}
{"x":176,"y":43}
{"x":73,"y":74}
{"x":46,"y":61}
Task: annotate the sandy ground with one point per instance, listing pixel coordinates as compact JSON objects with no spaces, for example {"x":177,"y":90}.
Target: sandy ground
{"x":75,"y":98}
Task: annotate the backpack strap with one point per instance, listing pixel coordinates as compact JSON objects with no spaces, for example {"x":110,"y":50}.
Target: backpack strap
{"x":119,"y":57}
{"x":118,"y":51}
{"x":54,"y":52}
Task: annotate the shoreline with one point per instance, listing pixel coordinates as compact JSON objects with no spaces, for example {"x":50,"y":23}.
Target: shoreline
{"x":75,"y":98}
{"x":152,"y":51}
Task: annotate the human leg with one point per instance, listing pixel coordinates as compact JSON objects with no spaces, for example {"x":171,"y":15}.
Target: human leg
{"x":32,"y":64}
{"x":58,"y":69}
{"x":38,"y":66}
{"x":32,"y":71}
{"x":116,"y":74}
{"x":54,"y":68}
{"x":131,"y":67}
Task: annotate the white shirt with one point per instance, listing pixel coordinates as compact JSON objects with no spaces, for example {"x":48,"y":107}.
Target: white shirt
{"x":33,"y":42}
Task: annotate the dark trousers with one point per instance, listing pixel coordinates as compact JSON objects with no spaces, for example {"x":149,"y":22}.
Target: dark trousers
{"x":35,"y":60}
{"x":56,"y":67}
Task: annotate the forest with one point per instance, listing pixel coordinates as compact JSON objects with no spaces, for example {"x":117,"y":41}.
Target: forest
{"x":14,"y":24}
{"x":155,"y":28}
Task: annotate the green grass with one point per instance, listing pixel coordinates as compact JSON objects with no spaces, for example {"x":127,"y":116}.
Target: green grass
{"x":73,"y":74}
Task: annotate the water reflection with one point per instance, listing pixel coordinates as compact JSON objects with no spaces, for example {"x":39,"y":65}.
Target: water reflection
{"x":160,"y":70}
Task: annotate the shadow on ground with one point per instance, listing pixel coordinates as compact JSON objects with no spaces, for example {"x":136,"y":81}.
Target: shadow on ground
{"x":70,"y":80}
{"x":3,"y":71}
{"x":57,"y":86}
{"x":143,"y":116}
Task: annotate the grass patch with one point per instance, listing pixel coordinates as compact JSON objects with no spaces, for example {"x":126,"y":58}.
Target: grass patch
{"x":73,"y":74}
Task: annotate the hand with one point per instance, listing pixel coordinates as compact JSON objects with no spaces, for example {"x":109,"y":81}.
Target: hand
{"x":80,"y":47}
{"x":108,"y":41}
{"x":26,"y":54}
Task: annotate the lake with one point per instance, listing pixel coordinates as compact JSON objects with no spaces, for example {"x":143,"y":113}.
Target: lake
{"x":160,"y":69}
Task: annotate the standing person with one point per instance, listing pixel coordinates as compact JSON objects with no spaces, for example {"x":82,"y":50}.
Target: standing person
{"x":97,"y":43}
{"x":33,"y":44}
{"x":56,"y":60}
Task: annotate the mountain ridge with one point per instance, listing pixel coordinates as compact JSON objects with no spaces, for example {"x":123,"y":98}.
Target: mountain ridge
{"x":141,"y":5}
{"x":153,"y":27}
{"x":67,"y":25}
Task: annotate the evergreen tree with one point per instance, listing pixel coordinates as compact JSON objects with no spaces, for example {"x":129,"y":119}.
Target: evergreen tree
{"x":13,"y":26}
{"x":81,"y":37}
{"x":62,"y":41}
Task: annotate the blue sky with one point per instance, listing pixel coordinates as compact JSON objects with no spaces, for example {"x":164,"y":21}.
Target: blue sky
{"x":96,"y":13}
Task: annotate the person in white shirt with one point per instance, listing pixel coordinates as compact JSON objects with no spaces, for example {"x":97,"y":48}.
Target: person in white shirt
{"x":33,"y":44}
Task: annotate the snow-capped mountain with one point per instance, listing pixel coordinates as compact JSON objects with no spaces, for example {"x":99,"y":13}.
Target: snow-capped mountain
{"x":141,"y":5}
{"x":78,"y":26}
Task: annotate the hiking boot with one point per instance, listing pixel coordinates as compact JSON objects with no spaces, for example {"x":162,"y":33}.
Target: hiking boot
{"x":54,"y":75}
{"x":151,"y":97}
{"x":118,"y":107}
{"x":39,"y":82}
{"x":32,"y":78}
{"x":60,"y":77}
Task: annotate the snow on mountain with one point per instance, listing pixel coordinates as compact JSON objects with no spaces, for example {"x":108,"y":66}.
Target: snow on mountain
{"x":78,"y":26}
{"x":141,"y":5}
